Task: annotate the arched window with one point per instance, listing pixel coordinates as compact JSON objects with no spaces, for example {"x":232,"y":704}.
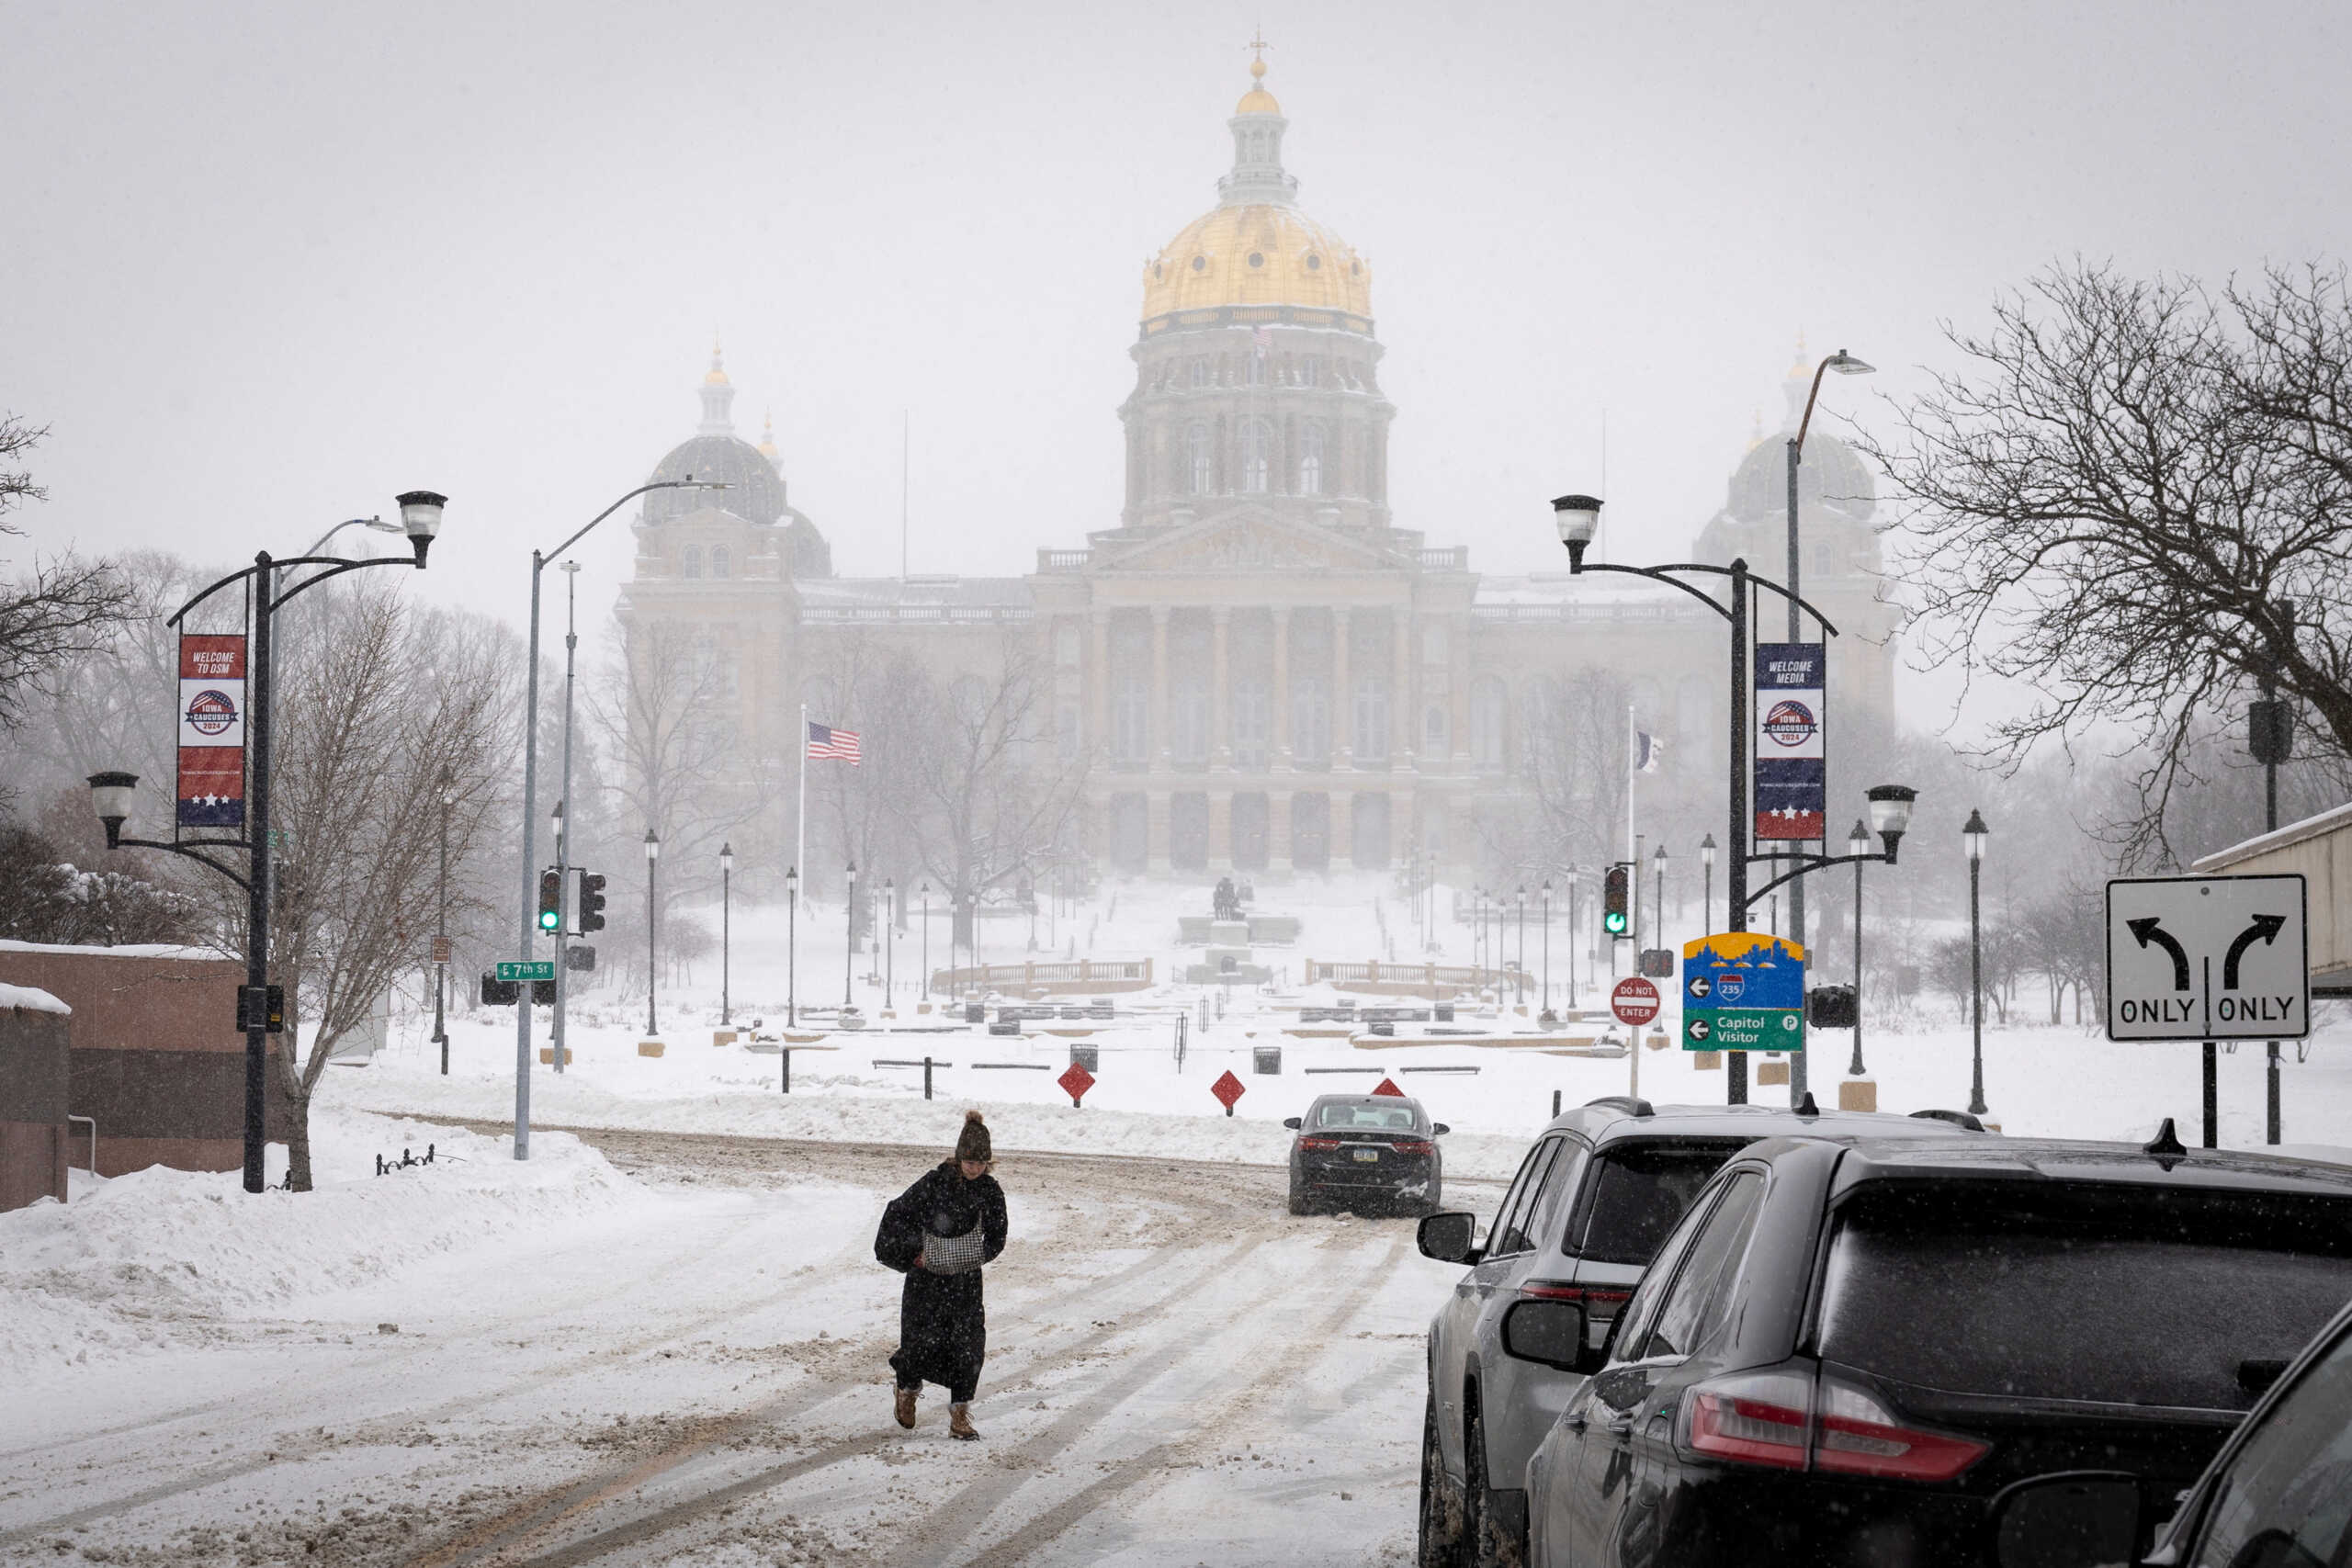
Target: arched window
{"x":718,"y":562}
{"x":1257,"y":456}
{"x":1433,"y":732}
{"x":1310,"y":459}
{"x":1200,"y":372}
{"x":690,"y":561}
{"x":1488,"y":706}
{"x":1196,"y":459}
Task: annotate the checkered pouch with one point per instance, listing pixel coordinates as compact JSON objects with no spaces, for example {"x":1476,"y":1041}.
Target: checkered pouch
{"x":953,"y":1253}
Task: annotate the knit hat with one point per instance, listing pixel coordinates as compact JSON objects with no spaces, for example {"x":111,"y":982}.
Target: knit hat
{"x":973,"y":1141}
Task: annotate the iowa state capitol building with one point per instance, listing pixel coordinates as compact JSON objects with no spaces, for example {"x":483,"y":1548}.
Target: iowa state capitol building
{"x":1257,"y":669}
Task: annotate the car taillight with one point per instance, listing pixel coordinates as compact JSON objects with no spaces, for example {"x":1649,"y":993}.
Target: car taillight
{"x":1318,"y":1142}
{"x":1594,"y":1297}
{"x":1414,"y":1147}
{"x":1780,"y":1420}
{"x":1855,"y":1435}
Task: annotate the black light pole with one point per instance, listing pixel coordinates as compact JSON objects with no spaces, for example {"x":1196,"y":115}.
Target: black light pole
{"x":441,"y":925}
{"x":1547,"y":945}
{"x":652,"y":854}
{"x":1572,"y":939}
{"x":1657,"y":921}
{"x":890,"y":940}
{"x":2271,"y":725}
{"x":792,"y":946}
{"x":849,"y":950}
{"x":110,"y":792}
{"x":1520,"y":899}
{"x":1972,"y":837}
{"x":1707,"y":887}
{"x":726,"y":925}
{"x":1858,"y":844}
{"x":924,"y":892}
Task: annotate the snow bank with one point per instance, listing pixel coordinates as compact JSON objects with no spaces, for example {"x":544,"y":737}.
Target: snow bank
{"x":151,"y":1259}
{"x":24,"y":999}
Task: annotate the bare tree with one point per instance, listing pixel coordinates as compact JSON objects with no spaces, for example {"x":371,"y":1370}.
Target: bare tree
{"x":56,"y":609}
{"x":364,"y":744}
{"x":2137,"y":501}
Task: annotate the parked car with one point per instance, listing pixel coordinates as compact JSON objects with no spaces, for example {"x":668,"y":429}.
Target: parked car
{"x":1355,"y":1150}
{"x":1593,"y":1199}
{"x":1844,"y":1352}
{"x":2278,"y":1495}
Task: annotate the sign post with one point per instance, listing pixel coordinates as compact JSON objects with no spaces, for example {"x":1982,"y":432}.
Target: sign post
{"x":1634,"y":1003}
{"x":1743,"y":991}
{"x":2208,"y":958}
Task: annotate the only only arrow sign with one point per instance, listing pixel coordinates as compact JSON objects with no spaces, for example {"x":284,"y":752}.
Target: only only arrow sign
{"x":2208,"y":958}
{"x":2265,"y":928}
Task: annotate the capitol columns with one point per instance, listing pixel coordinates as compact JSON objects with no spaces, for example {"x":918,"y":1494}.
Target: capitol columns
{"x":1159,"y":748}
{"x":1098,"y":685}
{"x":1342,"y":707}
{"x":1280,"y":761}
{"x":1220,"y":682}
{"x":1402,"y":704}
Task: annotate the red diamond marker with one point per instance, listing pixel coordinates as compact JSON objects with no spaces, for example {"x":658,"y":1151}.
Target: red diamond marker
{"x":1075,"y":1081}
{"x":1388,"y":1086}
{"x":1228,"y":1089}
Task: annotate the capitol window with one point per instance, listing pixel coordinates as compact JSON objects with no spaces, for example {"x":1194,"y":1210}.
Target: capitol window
{"x":1310,"y":459}
{"x":1257,"y":372}
{"x":1196,"y":459}
{"x":1308,"y":375}
{"x":1257,"y":447}
{"x":718,"y":562}
{"x":1488,"y":706}
{"x":690,"y":561}
{"x":1200,"y":372}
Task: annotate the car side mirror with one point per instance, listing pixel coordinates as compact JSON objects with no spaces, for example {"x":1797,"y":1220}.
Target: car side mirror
{"x":1438,"y":1129}
{"x":1550,"y":1333}
{"x":2076,"y":1519}
{"x":1449,"y":1237}
{"x":1294,"y":1123}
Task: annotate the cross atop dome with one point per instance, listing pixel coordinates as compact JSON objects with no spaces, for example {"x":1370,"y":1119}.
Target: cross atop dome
{"x":1258,"y":125}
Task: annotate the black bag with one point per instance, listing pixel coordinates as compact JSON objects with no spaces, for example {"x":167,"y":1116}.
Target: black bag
{"x":898,"y":1240}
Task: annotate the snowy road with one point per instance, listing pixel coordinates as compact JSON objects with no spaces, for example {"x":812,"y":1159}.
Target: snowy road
{"x":1178,"y":1372}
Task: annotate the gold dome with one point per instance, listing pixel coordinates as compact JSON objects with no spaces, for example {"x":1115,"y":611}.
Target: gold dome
{"x":1259,"y":254}
{"x":717,"y":376}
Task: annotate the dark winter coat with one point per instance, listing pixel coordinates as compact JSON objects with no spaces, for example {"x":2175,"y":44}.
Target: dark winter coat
{"x":942,"y":1322}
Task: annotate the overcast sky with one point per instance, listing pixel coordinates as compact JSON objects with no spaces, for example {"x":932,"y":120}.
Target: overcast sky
{"x":262,"y":267}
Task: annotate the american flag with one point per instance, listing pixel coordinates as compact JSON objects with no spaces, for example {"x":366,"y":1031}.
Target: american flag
{"x":825,"y":742}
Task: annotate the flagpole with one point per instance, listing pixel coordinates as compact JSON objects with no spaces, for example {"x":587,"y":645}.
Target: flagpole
{"x":800,"y":839}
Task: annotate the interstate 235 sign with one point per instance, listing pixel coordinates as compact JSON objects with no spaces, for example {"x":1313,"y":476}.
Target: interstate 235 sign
{"x":1743,"y":991}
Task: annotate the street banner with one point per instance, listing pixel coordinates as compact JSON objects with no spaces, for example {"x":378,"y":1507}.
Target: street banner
{"x":1743,"y":991}
{"x":211,"y":792}
{"x":1790,"y":750}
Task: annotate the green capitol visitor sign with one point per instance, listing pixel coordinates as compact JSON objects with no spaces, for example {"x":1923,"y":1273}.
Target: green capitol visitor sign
{"x":1743,"y":991}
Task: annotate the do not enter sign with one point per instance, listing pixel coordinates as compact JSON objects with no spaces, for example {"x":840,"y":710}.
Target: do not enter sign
{"x":1635,"y":1001}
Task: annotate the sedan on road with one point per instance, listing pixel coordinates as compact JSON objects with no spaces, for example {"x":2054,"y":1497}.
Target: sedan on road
{"x":1358,"y":1149}
{"x":1844,"y":1352}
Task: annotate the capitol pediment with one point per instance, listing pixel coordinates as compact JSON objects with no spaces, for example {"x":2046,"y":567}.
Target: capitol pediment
{"x":1249,"y":543}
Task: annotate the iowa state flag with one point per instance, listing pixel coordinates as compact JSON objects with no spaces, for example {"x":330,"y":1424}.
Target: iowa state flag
{"x":212,"y":730}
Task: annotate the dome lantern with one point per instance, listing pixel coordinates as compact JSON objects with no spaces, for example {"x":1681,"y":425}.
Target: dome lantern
{"x":717,"y":397}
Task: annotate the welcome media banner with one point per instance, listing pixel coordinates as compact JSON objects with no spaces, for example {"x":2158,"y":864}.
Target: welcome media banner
{"x":213,"y":729}
{"x":1790,"y":743}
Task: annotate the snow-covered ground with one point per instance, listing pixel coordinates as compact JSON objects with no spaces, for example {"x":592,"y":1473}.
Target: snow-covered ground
{"x":662,"y":1340}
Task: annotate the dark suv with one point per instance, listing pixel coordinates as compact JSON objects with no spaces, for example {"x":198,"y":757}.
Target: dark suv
{"x":1594,"y":1197}
{"x":1844,"y":1353}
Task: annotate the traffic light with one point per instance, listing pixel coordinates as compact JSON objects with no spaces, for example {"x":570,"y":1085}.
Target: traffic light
{"x":591,"y":902}
{"x":497,"y":993}
{"x":550,"y":901}
{"x":1614,"y":892}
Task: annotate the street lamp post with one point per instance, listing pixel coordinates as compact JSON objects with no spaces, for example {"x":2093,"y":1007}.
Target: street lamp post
{"x":110,"y":792}
{"x":653,"y":855}
{"x":530,"y":800}
{"x":1844,"y":364}
{"x":923,"y":892}
{"x":1520,"y":899}
{"x":890,"y":940}
{"x":726,"y":928}
{"x":792,"y":946}
{"x":1972,"y":837}
{"x":1657,"y":921}
{"x":1547,"y":946}
{"x":1858,"y":844}
{"x":556,"y":1033}
{"x":850,"y":926}
{"x":1572,"y":939}
{"x":441,"y":927}
{"x":1707,"y":887}
{"x":1578,"y":519}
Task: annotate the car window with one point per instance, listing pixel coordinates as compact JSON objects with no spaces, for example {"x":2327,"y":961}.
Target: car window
{"x":2092,"y":1292}
{"x":1635,"y":1322}
{"x":2287,"y":1499}
{"x":1544,"y":1196}
{"x":1390,"y":1118}
{"x":1695,"y":1306}
{"x":1550,"y":1215}
{"x":1507,"y":1225}
{"x":1638,"y":1192}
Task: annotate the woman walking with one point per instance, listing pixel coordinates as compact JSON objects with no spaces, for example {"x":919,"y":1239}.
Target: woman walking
{"x":938,"y":1233}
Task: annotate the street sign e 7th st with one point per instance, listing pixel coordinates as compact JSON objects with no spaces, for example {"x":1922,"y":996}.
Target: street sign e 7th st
{"x":529,"y":969}
{"x":2208,"y":958}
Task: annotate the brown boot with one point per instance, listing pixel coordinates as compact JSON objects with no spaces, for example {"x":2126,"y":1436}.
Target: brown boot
{"x":959,"y":1423}
{"x":907,"y":1406}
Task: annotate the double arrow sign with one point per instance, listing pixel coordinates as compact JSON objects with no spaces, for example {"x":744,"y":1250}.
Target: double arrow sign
{"x":2164,"y":935}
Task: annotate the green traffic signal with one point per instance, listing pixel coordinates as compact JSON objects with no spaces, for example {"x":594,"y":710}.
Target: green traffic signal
{"x":1615,"y":889}
{"x":1614,"y":922}
{"x":550,"y":901}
